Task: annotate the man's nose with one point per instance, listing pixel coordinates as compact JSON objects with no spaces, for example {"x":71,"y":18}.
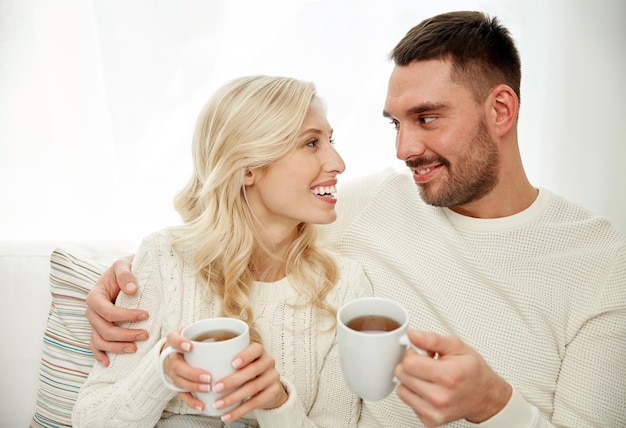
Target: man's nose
{"x":409,"y":144}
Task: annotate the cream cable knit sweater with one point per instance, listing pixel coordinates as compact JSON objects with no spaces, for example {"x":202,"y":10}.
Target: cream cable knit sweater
{"x":541,"y":295}
{"x":130,"y":393}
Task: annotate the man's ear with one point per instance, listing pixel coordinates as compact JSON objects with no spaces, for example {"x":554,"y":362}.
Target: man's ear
{"x":504,"y":109}
{"x":249,"y":177}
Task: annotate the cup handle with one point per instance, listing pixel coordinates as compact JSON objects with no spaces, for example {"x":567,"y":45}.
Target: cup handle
{"x":404,"y":341}
{"x":166,"y":379}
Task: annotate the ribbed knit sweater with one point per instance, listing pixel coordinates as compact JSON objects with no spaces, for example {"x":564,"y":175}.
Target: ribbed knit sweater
{"x":130,"y":393}
{"x":541,"y":295}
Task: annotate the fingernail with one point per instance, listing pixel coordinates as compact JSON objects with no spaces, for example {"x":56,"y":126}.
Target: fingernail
{"x":129,"y":350}
{"x":236,"y":362}
{"x":205,"y":378}
{"x":205,"y":387}
{"x":218,"y":387}
{"x":218,"y":404}
{"x":142,"y":336}
{"x":142,"y":317}
{"x":226,"y":417}
{"x":131,"y":287}
{"x":185,"y":346}
{"x":198,"y":408}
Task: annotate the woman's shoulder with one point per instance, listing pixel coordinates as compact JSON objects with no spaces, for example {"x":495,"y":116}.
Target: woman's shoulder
{"x":353,"y":282}
{"x":345,"y":263}
{"x":158,"y":248}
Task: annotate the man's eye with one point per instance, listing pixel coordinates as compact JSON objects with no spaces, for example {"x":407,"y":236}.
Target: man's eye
{"x":426,"y":120}
{"x":332,"y":141}
{"x":395,"y":124}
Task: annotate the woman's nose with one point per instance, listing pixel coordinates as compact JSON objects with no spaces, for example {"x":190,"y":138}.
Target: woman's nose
{"x":335,"y":162}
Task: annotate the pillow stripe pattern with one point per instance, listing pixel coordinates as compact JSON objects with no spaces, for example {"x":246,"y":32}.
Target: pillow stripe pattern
{"x":66,"y":359}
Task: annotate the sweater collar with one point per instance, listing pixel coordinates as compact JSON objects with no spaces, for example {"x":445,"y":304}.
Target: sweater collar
{"x":522,"y":218}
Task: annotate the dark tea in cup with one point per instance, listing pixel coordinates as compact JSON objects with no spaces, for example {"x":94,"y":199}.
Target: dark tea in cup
{"x":215,"y":336}
{"x":373,"y":323}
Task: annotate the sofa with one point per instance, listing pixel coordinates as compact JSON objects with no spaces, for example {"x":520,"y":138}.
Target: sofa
{"x":44,"y":336}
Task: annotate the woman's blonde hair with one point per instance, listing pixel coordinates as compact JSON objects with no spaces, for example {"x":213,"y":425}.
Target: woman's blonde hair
{"x":248,"y":123}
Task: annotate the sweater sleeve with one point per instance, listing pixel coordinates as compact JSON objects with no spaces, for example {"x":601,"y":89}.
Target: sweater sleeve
{"x":129,"y":392}
{"x":591,"y":390}
{"x":334,"y":406}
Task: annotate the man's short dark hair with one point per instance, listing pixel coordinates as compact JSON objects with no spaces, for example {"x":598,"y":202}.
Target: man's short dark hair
{"x":481,"y":50}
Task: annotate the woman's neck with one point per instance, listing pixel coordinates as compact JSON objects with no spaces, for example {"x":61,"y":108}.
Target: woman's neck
{"x":268,"y":264}
{"x":270,"y":272}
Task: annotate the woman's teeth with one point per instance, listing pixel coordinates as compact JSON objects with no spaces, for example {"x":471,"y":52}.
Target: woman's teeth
{"x":324,"y":190}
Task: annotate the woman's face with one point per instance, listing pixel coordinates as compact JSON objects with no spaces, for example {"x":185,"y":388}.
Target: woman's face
{"x":300,"y":186}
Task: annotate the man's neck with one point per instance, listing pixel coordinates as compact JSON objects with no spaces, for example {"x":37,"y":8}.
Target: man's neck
{"x":500,"y":202}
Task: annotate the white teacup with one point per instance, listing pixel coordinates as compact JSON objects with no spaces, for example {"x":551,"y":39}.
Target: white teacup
{"x":371,"y":332}
{"x":215,"y":342}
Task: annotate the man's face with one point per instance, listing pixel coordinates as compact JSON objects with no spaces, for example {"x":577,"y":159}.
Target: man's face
{"x":442,"y":134}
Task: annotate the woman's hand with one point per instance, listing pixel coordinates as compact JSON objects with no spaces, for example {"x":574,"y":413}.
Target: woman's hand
{"x":182,"y":374}
{"x":257,"y":382}
{"x":256,"y":379}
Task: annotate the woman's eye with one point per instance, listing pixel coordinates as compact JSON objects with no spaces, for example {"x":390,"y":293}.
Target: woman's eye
{"x":312,"y":143}
{"x":332,"y":141}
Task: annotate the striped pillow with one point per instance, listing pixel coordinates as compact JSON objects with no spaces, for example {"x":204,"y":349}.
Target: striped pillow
{"x":66,"y":359}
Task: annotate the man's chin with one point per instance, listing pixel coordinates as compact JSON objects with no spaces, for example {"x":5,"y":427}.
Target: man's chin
{"x":427,"y":195}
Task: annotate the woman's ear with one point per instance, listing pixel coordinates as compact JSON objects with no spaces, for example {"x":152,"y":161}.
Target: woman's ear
{"x":249,"y":177}
{"x":505,"y":107}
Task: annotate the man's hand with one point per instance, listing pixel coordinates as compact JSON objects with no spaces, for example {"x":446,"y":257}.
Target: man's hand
{"x":102,"y":313}
{"x":458,"y":384}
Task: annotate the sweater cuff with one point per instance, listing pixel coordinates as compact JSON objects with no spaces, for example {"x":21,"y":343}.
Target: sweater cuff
{"x":517,"y":412}
{"x":290,"y":414}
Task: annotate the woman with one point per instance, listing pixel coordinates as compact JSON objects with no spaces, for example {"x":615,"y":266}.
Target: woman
{"x":265,"y":171}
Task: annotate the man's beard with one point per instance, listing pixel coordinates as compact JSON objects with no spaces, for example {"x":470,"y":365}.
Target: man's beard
{"x":473,"y":175}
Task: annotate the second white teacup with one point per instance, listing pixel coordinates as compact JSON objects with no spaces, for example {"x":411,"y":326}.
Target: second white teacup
{"x":215,"y":342}
{"x":371,"y":334}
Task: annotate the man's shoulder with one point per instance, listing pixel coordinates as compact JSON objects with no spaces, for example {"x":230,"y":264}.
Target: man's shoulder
{"x":357,"y":192}
{"x":373,"y":198}
{"x":371,"y":182}
{"x":564,"y":211}
{"x":578,"y":228}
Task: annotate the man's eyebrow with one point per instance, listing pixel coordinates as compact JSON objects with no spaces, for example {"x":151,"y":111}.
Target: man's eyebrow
{"x":419,"y":109}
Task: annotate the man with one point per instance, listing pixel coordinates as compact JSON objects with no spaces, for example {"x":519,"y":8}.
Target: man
{"x":520,"y":293}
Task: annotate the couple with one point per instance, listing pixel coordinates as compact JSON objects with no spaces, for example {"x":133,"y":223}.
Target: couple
{"x":521,"y":293}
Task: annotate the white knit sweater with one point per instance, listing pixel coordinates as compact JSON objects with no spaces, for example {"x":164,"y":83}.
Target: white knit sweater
{"x":541,"y":295}
{"x":130,"y":393}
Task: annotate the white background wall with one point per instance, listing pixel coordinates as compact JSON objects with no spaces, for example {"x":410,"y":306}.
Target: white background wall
{"x":98,"y":97}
